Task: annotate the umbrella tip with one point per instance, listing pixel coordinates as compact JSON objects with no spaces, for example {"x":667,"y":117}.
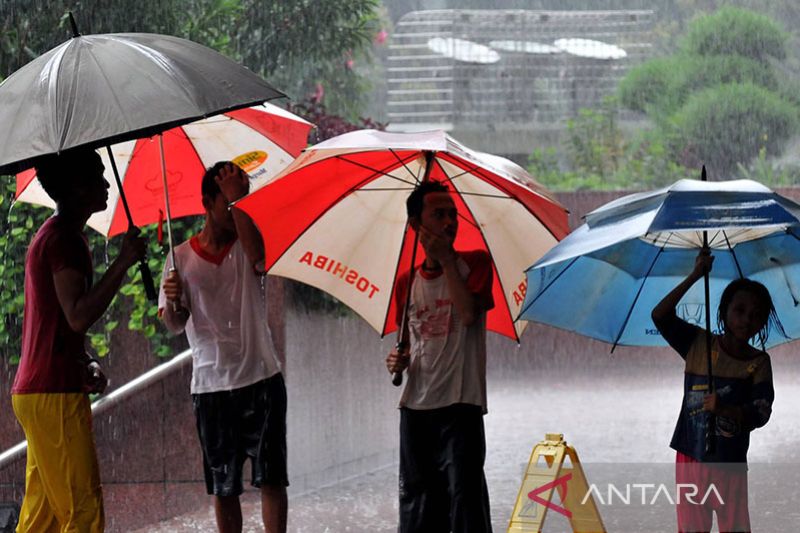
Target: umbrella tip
{"x":73,"y":25}
{"x":703,"y":175}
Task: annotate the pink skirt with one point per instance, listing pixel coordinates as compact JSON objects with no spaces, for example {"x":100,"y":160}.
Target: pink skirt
{"x":703,"y":489}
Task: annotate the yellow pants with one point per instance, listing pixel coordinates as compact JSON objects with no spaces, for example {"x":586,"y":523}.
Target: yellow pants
{"x":62,"y":479}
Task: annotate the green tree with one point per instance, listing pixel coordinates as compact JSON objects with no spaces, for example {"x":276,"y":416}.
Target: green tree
{"x":296,"y":44}
{"x":720,"y":98}
{"x":601,"y":156}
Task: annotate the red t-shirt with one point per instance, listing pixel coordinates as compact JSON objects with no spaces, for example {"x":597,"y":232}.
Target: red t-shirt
{"x":53,"y":357}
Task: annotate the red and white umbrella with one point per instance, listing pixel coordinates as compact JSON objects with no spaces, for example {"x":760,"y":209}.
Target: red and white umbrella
{"x":262,"y":139}
{"x":336,"y":218}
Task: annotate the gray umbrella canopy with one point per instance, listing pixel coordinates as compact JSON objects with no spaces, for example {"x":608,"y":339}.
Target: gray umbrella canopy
{"x":96,"y":90}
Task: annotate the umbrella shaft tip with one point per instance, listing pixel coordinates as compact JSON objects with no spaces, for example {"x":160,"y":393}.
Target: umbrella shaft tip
{"x":73,"y":25}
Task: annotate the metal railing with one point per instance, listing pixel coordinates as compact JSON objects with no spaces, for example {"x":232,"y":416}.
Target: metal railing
{"x":501,"y":66}
{"x":104,"y":403}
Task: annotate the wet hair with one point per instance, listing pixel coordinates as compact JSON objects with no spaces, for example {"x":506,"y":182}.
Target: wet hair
{"x":416,"y":200}
{"x":208,"y":185}
{"x":58,"y":173}
{"x":762,"y":295}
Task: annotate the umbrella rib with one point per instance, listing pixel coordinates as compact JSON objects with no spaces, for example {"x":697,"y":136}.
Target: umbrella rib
{"x":464,"y":173}
{"x":785,"y":279}
{"x":379,"y":189}
{"x":272,"y":137}
{"x":712,"y":239}
{"x":376,"y":171}
{"x":330,"y":206}
{"x":680,"y":237}
{"x":396,"y":279}
{"x":468,"y":221}
{"x":405,"y":166}
{"x":488,"y":249}
{"x":524,"y":309}
{"x":113,"y":93}
{"x":636,"y":299}
{"x":71,"y":101}
{"x":486,"y":195}
{"x":733,"y":254}
{"x":479,"y":171}
{"x":791,"y":233}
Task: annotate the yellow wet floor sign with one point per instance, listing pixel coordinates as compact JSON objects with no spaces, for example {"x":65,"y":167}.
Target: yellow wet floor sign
{"x":546,"y":471}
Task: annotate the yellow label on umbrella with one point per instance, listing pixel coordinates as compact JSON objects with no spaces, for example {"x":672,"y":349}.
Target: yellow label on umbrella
{"x":251,"y":160}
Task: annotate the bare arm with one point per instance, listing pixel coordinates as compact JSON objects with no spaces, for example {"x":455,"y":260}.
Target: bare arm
{"x":666,"y":307}
{"x":82,"y":305}
{"x":250,"y":238}
{"x":234,"y":184}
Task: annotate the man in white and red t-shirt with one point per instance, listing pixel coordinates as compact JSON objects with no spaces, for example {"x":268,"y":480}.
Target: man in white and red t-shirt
{"x":442,"y":442}
{"x":217,"y":294}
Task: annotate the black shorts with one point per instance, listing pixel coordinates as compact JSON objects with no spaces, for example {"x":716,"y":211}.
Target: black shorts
{"x":241,"y":423}
{"x":442,"y":484}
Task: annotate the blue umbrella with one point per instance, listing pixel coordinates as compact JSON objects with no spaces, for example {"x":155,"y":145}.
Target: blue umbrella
{"x":604,"y":278}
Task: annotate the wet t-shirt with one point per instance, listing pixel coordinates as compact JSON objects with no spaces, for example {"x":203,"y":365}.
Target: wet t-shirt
{"x":448,"y":358}
{"x":745,"y":384}
{"x":227,"y":328}
{"x":53,"y":356}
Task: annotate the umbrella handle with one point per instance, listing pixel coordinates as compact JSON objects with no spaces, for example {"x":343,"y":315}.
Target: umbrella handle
{"x":711,"y":434}
{"x":147,"y":281}
{"x":397,"y":377}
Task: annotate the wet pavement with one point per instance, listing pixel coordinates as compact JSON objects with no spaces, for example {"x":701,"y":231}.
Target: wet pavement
{"x":615,"y":425}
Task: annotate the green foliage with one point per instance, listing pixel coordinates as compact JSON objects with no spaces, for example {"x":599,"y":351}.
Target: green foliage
{"x":734,"y":31}
{"x":141,"y":313}
{"x":649,"y":85}
{"x":719,"y":101}
{"x":595,"y":141}
{"x":601,"y":158}
{"x":302,"y":44}
{"x":661,"y":86}
{"x":212,"y":23}
{"x":763,"y":171}
{"x":728,"y":125}
{"x":16,"y":229}
{"x":296,"y":44}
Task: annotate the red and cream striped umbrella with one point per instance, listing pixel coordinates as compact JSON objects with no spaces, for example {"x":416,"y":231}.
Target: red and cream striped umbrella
{"x":336,"y":218}
{"x":262,"y":139}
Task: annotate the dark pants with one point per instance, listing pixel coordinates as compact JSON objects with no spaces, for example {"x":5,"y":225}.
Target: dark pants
{"x":442,"y":485}
{"x":249,"y":422}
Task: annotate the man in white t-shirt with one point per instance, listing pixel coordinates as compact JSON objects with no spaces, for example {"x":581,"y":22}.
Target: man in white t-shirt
{"x":442,"y":442}
{"x":216,"y":295}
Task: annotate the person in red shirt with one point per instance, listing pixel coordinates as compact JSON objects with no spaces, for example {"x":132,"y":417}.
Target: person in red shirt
{"x":55,"y":374}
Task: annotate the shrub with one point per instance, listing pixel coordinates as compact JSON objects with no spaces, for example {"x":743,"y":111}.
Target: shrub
{"x":734,"y":31}
{"x":729,"y":124}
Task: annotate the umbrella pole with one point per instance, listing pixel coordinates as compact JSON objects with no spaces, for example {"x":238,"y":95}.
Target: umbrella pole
{"x":166,"y":208}
{"x":711,"y":423}
{"x":147,"y":278}
{"x":166,"y":200}
{"x":402,"y":343}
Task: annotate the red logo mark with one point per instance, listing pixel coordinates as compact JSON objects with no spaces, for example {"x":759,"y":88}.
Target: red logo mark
{"x":563,"y":480}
